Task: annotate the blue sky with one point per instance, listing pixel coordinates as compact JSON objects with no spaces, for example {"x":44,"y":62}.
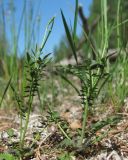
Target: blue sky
{"x":44,"y":10}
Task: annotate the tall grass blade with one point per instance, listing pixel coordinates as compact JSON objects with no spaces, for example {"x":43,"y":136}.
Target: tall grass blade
{"x":121,"y":23}
{"x":75,"y":21}
{"x":69,"y":37}
{"x":104,"y":26}
{"x":67,"y":80}
{"x":5,"y":91}
{"x":118,"y":21}
{"x":20,"y":25}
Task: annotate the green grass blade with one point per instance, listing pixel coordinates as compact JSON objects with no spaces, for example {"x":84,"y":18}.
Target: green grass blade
{"x":118,"y":28}
{"x":69,"y":36}
{"x":67,"y":80}
{"x":75,"y":20}
{"x":5,"y":91}
{"x":103,"y":83}
{"x":119,"y":24}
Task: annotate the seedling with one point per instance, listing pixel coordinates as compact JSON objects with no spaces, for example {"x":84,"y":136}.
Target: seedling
{"x":92,"y":75}
{"x":34,"y":72}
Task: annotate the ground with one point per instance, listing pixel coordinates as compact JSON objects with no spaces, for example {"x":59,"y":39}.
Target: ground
{"x":107,"y":134}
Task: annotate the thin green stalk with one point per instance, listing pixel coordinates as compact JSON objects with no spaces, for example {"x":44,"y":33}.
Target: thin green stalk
{"x":25,"y":26}
{"x":21,"y":129}
{"x":69,"y":37}
{"x":53,"y":94}
{"x":26,"y":126}
{"x":118,"y":22}
{"x":85,"y":116}
{"x":105,"y":26}
{"x":27,"y":117}
{"x":75,"y":22}
{"x":20,"y":24}
{"x":90,"y":42}
{"x":61,"y":129}
{"x":5,"y":91}
{"x":33,"y":25}
{"x":30,"y":19}
{"x":102,"y":27}
{"x":13,"y":28}
{"x":121,"y":23}
{"x":5,"y":57}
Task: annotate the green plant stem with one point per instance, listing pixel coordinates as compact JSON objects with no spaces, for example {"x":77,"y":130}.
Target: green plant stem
{"x":21,"y":127}
{"x":85,"y":115}
{"x":104,"y":26}
{"x":26,"y":126}
{"x":118,"y":21}
{"x":61,"y":129}
{"x":27,"y":117}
